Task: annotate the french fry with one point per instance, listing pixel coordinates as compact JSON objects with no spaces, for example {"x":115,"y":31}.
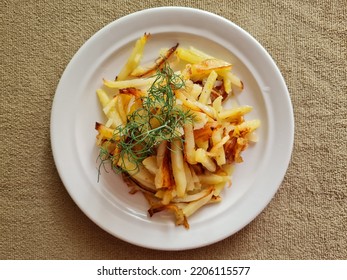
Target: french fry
{"x":213,"y":179}
{"x":180,"y":217}
{"x":202,"y":143}
{"x":166,"y":196}
{"x":196,"y":180}
{"x":108,"y":106}
{"x":206,"y":91}
{"x":202,"y":157}
{"x":139,"y":173}
{"x":189,"y":144}
{"x":204,"y":68}
{"x":189,"y":177}
{"x":145,"y":71}
{"x":234,"y":114}
{"x":200,"y":53}
{"x":192,"y":55}
{"x":150,"y":163}
{"x":195,"y":91}
{"x":134,"y":83}
{"x":163,"y":178}
{"x":178,"y":167}
{"x":217,"y":106}
{"x":230,"y":77}
{"x":114,"y":119}
{"x":248,"y":126}
{"x":219,"y":187}
{"x":192,"y":197}
{"x":135,"y":101}
{"x":227,"y":83}
{"x":103,"y":97}
{"x":134,"y":59}
{"x":205,"y":133}
{"x":218,"y":143}
{"x":200,"y":119}
{"x":105,"y":133}
{"x":122,"y":101}
{"x":194,"y":104}
{"x":192,"y":207}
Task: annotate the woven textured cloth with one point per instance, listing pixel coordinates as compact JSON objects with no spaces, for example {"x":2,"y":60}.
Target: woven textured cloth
{"x":307,"y":218}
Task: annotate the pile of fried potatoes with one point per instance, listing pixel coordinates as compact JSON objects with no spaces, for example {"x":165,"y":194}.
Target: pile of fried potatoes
{"x":186,"y":173}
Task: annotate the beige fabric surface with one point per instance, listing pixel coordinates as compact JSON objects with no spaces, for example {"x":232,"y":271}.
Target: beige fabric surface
{"x":307,"y":218}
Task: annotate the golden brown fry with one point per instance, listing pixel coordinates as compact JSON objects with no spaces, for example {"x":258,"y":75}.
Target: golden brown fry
{"x":178,"y":167}
{"x":134,"y":58}
{"x":192,"y":55}
{"x":202,"y":157}
{"x":204,"y":68}
{"x":235,"y":114}
{"x":105,"y":132}
{"x":151,"y":164}
{"x":193,"y":197}
{"x":158,"y":64}
{"x":103,"y":97}
{"x":135,"y":83}
{"x":181,"y":218}
{"x":205,"y":133}
{"x":205,"y":96}
{"x":194,"y":105}
{"x":164,"y":177}
{"x":189,"y":144}
{"x":192,"y":207}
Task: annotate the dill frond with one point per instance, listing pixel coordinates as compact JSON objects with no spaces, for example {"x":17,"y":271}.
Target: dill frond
{"x":157,"y":120}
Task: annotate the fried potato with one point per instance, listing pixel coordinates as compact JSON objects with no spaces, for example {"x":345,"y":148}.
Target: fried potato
{"x":204,"y":68}
{"x":139,"y":173}
{"x":105,"y":133}
{"x":146,"y":71}
{"x":205,"y":133}
{"x":213,"y":179}
{"x":134,"y":58}
{"x":189,"y":178}
{"x":192,"y":55}
{"x":204,"y":97}
{"x":103,"y":97}
{"x":189,"y":144}
{"x":234,"y":114}
{"x":134,"y":83}
{"x":202,"y":157}
{"x":192,"y":207}
{"x":150,"y":163}
{"x":122,"y":101}
{"x":193,"y":197}
{"x":109,"y":109}
{"x":194,"y":105}
{"x":192,"y":163}
{"x":200,"y":119}
{"x":178,"y":167}
{"x":218,"y":142}
{"x":230,"y":78}
{"x":248,"y":126}
{"x":163,"y":178}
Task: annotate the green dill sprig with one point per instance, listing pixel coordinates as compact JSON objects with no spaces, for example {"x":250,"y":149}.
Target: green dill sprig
{"x":158,"y":119}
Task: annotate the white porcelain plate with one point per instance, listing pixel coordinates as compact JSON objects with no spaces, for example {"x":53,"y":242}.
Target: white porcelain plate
{"x":76,"y":109}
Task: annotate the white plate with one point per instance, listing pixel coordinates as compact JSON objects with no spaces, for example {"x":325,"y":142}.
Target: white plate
{"x":76,"y":108}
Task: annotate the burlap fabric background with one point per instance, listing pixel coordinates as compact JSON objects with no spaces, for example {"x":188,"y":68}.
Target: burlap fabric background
{"x":307,"y":219}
